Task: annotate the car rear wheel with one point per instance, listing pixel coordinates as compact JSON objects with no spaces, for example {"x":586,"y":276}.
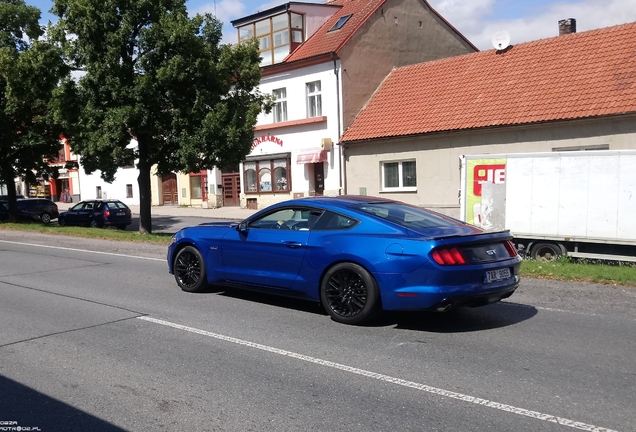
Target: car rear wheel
{"x":350,"y":294}
{"x":189,"y":270}
{"x":93,"y":223}
{"x":45,"y":218}
{"x":121,"y":227}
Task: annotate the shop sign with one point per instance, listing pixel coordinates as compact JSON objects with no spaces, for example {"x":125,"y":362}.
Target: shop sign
{"x":264,"y":138}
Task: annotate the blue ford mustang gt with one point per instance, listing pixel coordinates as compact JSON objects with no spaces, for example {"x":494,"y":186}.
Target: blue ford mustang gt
{"x":356,"y":255}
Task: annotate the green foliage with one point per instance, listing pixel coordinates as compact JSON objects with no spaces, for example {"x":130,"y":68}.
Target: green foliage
{"x":157,"y":75}
{"x":33,"y":88}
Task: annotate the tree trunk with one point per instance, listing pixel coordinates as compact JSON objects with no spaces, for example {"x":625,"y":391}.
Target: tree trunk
{"x":7,"y":175}
{"x":145,"y":217}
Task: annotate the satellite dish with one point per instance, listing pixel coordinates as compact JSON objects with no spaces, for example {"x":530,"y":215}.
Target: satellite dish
{"x":501,"y":40}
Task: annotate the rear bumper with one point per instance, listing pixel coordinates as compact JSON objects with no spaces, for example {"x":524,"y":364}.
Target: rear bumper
{"x":443,"y":299}
{"x":454,"y":302}
{"x":109,"y":222}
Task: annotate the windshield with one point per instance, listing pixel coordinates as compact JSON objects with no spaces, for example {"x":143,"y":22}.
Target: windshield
{"x":406,"y":216}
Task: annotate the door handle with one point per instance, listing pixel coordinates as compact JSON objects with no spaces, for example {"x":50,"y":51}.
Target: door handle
{"x":293,"y":245}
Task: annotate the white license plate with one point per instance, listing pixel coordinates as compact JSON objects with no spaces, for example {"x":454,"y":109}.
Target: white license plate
{"x":121,"y":213}
{"x":496,"y":275}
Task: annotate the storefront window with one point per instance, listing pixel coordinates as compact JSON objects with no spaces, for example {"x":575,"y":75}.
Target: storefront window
{"x":265,"y":179}
{"x":264,"y":182}
{"x":280,"y":174}
{"x":250,"y":176}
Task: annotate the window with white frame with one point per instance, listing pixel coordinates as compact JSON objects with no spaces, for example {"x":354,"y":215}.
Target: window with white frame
{"x":399,"y":176}
{"x":280,"y":107}
{"x":314,"y":99}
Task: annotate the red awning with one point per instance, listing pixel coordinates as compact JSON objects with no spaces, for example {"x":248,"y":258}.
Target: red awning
{"x":312,"y":156}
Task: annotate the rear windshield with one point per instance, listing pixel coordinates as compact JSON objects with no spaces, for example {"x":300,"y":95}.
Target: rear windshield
{"x":406,"y":216}
{"x":116,"y":205}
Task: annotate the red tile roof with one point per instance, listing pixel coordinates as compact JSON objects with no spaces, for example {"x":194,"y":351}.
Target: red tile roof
{"x":572,"y":76}
{"x":323,"y":41}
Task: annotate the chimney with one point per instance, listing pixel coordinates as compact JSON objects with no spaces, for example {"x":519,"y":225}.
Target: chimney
{"x":567,"y":26}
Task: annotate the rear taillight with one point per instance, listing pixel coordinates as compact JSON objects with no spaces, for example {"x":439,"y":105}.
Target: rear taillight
{"x":106,"y":213}
{"x":512,"y":250}
{"x":448,"y":256}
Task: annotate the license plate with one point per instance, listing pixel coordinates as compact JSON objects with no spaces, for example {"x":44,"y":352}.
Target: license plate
{"x":497,"y":275}
{"x":120,"y":213}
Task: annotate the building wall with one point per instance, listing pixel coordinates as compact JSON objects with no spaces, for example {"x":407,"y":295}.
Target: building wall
{"x":392,"y":37}
{"x":437,"y":156}
{"x":115,"y":190}
{"x":293,"y":138}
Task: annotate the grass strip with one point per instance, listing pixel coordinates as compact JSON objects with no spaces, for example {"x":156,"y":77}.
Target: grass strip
{"x":93,"y":233}
{"x":563,"y":269}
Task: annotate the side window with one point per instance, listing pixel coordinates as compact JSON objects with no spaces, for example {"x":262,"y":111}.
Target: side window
{"x":330,"y":221}
{"x":88,"y":206}
{"x":300,"y":219}
{"x":274,"y":220}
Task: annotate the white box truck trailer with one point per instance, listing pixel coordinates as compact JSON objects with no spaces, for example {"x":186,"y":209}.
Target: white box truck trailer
{"x":581,"y":204}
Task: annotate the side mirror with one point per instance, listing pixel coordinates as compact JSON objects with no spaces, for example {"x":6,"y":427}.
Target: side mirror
{"x":242,"y":227}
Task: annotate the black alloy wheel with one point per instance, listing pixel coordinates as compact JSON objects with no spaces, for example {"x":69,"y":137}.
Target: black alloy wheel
{"x":45,"y":218}
{"x":350,"y":294}
{"x":189,"y":270}
{"x":93,"y":223}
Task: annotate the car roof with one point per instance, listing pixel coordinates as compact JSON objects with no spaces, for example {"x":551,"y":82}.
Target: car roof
{"x":342,"y":201}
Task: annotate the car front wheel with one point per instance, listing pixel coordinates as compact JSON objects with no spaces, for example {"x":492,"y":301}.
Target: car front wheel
{"x":61,"y":221}
{"x":189,"y":270}
{"x":45,"y":218}
{"x":350,"y":294}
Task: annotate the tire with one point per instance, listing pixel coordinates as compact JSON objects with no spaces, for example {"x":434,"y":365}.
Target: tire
{"x":189,"y":270}
{"x":93,"y":223}
{"x":350,"y":294}
{"x":121,"y":227}
{"x":45,"y":218}
{"x":61,"y":221}
{"x":546,"y":252}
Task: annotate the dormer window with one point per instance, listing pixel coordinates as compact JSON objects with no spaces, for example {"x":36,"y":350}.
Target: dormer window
{"x":277,"y":36}
{"x":341,"y":21}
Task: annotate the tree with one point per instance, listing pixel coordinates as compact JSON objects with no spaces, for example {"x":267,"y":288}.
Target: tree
{"x":32,"y":94}
{"x":158,"y":76}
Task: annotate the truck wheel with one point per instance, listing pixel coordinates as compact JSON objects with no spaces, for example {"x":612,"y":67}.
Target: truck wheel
{"x":546,"y":252}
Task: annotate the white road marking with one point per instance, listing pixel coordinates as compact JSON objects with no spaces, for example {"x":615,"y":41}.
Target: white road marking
{"x":389,"y":379}
{"x":83,"y":250}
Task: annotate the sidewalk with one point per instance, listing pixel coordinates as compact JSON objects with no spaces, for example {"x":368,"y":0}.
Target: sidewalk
{"x":234,"y":213}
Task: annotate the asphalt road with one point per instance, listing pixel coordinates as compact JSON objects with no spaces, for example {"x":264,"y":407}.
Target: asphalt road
{"x":170,"y":224}
{"x":105,"y":341}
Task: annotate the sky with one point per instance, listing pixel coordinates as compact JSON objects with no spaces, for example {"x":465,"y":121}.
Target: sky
{"x":478,"y":20}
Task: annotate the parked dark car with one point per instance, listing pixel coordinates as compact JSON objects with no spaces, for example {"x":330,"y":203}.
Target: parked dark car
{"x":39,"y":209}
{"x":355,"y":255}
{"x":4,"y":210}
{"x":97,"y":214}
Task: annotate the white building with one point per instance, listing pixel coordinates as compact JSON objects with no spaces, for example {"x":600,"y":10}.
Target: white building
{"x":322,"y":62}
